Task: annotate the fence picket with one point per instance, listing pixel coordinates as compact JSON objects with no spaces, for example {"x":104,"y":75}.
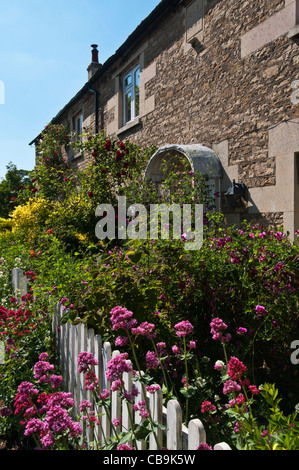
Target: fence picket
{"x":127,"y":410}
{"x":141,"y":445}
{"x":156,"y":409}
{"x":116,"y":405}
{"x":106,"y":356}
{"x":174,"y":426}
{"x":196,"y":434}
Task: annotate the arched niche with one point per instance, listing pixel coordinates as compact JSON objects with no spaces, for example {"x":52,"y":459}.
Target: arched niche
{"x":199,"y":157}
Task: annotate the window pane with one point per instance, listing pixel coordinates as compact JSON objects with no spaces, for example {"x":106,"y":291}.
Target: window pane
{"x":128,"y":80}
{"x":137,"y":91}
{"x":128,"y":107}
{"x":78,"y":126}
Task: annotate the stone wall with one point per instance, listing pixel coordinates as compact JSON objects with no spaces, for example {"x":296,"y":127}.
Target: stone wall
{"x":213,"y":92}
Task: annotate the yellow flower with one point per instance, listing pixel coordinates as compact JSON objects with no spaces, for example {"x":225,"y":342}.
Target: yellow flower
{"x":28,"y":217}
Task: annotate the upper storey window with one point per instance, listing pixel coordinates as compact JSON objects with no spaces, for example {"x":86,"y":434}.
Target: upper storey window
{"x":131,"y":95}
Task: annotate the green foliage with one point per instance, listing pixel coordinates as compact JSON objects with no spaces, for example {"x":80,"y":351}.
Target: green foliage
{"x":11,"y":188}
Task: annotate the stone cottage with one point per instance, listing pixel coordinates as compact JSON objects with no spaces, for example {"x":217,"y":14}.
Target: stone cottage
{"x":216,"y":81}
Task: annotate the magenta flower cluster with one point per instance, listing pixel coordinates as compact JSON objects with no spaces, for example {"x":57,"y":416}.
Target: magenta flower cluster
{"x":235,"y":369}
{"x":183,"y":328}
{"x":121,"y":318}
{"x":217,"y":329}
{"x":45,"y":415}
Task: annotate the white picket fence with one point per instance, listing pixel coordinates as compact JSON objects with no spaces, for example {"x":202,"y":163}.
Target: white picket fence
{"x":71,"y":340}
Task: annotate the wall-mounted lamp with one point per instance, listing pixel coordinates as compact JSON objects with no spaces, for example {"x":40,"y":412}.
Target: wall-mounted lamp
{"x":235,"y":194}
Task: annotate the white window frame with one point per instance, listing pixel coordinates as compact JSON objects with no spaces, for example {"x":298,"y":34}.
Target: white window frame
{"x":78,"y":126}
{"x":131,"y":88}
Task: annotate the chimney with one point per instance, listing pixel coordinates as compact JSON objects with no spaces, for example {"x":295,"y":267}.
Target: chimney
{"x":94,"y":65}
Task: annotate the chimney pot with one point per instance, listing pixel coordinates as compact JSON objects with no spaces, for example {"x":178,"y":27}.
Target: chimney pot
{"x":94,"y":54}
{"x":94,"y":65}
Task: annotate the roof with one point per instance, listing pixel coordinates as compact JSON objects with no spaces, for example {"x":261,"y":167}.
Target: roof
{"x":160,"y":9}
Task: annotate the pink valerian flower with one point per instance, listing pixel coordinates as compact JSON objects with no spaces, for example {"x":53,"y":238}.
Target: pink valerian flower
{"x":203,"y":446}
{"x":279,"y":236}
{"x":104,"y":395}
{"x":43,"y":357}
{"x":217,"y":328}
{"x":48,"y":440}
{"x":141,"y":407}
{"x":231,"y":386}
{"x":130,"y":395}
{"x":124,"y":447}
{"x":117,"y":366}
{"x":63,"y":399}
{"x":117,"y":385}
{"x":254,"y":390}
{"x":183,"y":328}
{"x":85,"y":360}
{"x":21,"y":403}
{"x":161,"y":349}
{"x":41,"y":371}
{"x":236,"y":368}
{"x":153,"y":388}
{"x":55,"y":380}
{"x":260,"y":310}
{"x":207,"y":407}
{"x":84,"y":405}
{"x":238,"y":426}
{"x":121,"y":318}
{"x":241,"y":331}
{"x":176,"y":350}
{"x":237,"y":401}
{"x":116,"y":421}
{"x":121,"y":341}
{"x":75,"y":429}
{"x":58,"y":420}
{"x":162,"y":353}
{"x":27,"y":389}
{"x":152,"y":361}
{"x":91,"y":381}
{"x":185,"y":382}
{"x":145,"y":329}
{"x":34,"y":426}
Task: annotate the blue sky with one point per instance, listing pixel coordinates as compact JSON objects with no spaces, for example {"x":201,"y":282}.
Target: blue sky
{"x":44,"y":53}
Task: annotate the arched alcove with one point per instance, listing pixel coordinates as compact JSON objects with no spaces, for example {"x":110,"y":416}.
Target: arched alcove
{"x":200,"y":158}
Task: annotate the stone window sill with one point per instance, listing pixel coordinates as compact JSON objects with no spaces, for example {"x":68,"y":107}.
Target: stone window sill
{"x":129,"y":125}
{"x":294,"y":32}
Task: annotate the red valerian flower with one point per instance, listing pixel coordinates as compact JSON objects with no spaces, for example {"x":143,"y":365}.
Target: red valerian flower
{"x":236,"y":368}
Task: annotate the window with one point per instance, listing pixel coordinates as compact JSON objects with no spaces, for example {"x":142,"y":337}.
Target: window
{"x":78,"y":126}
{"x":131,"y":95}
